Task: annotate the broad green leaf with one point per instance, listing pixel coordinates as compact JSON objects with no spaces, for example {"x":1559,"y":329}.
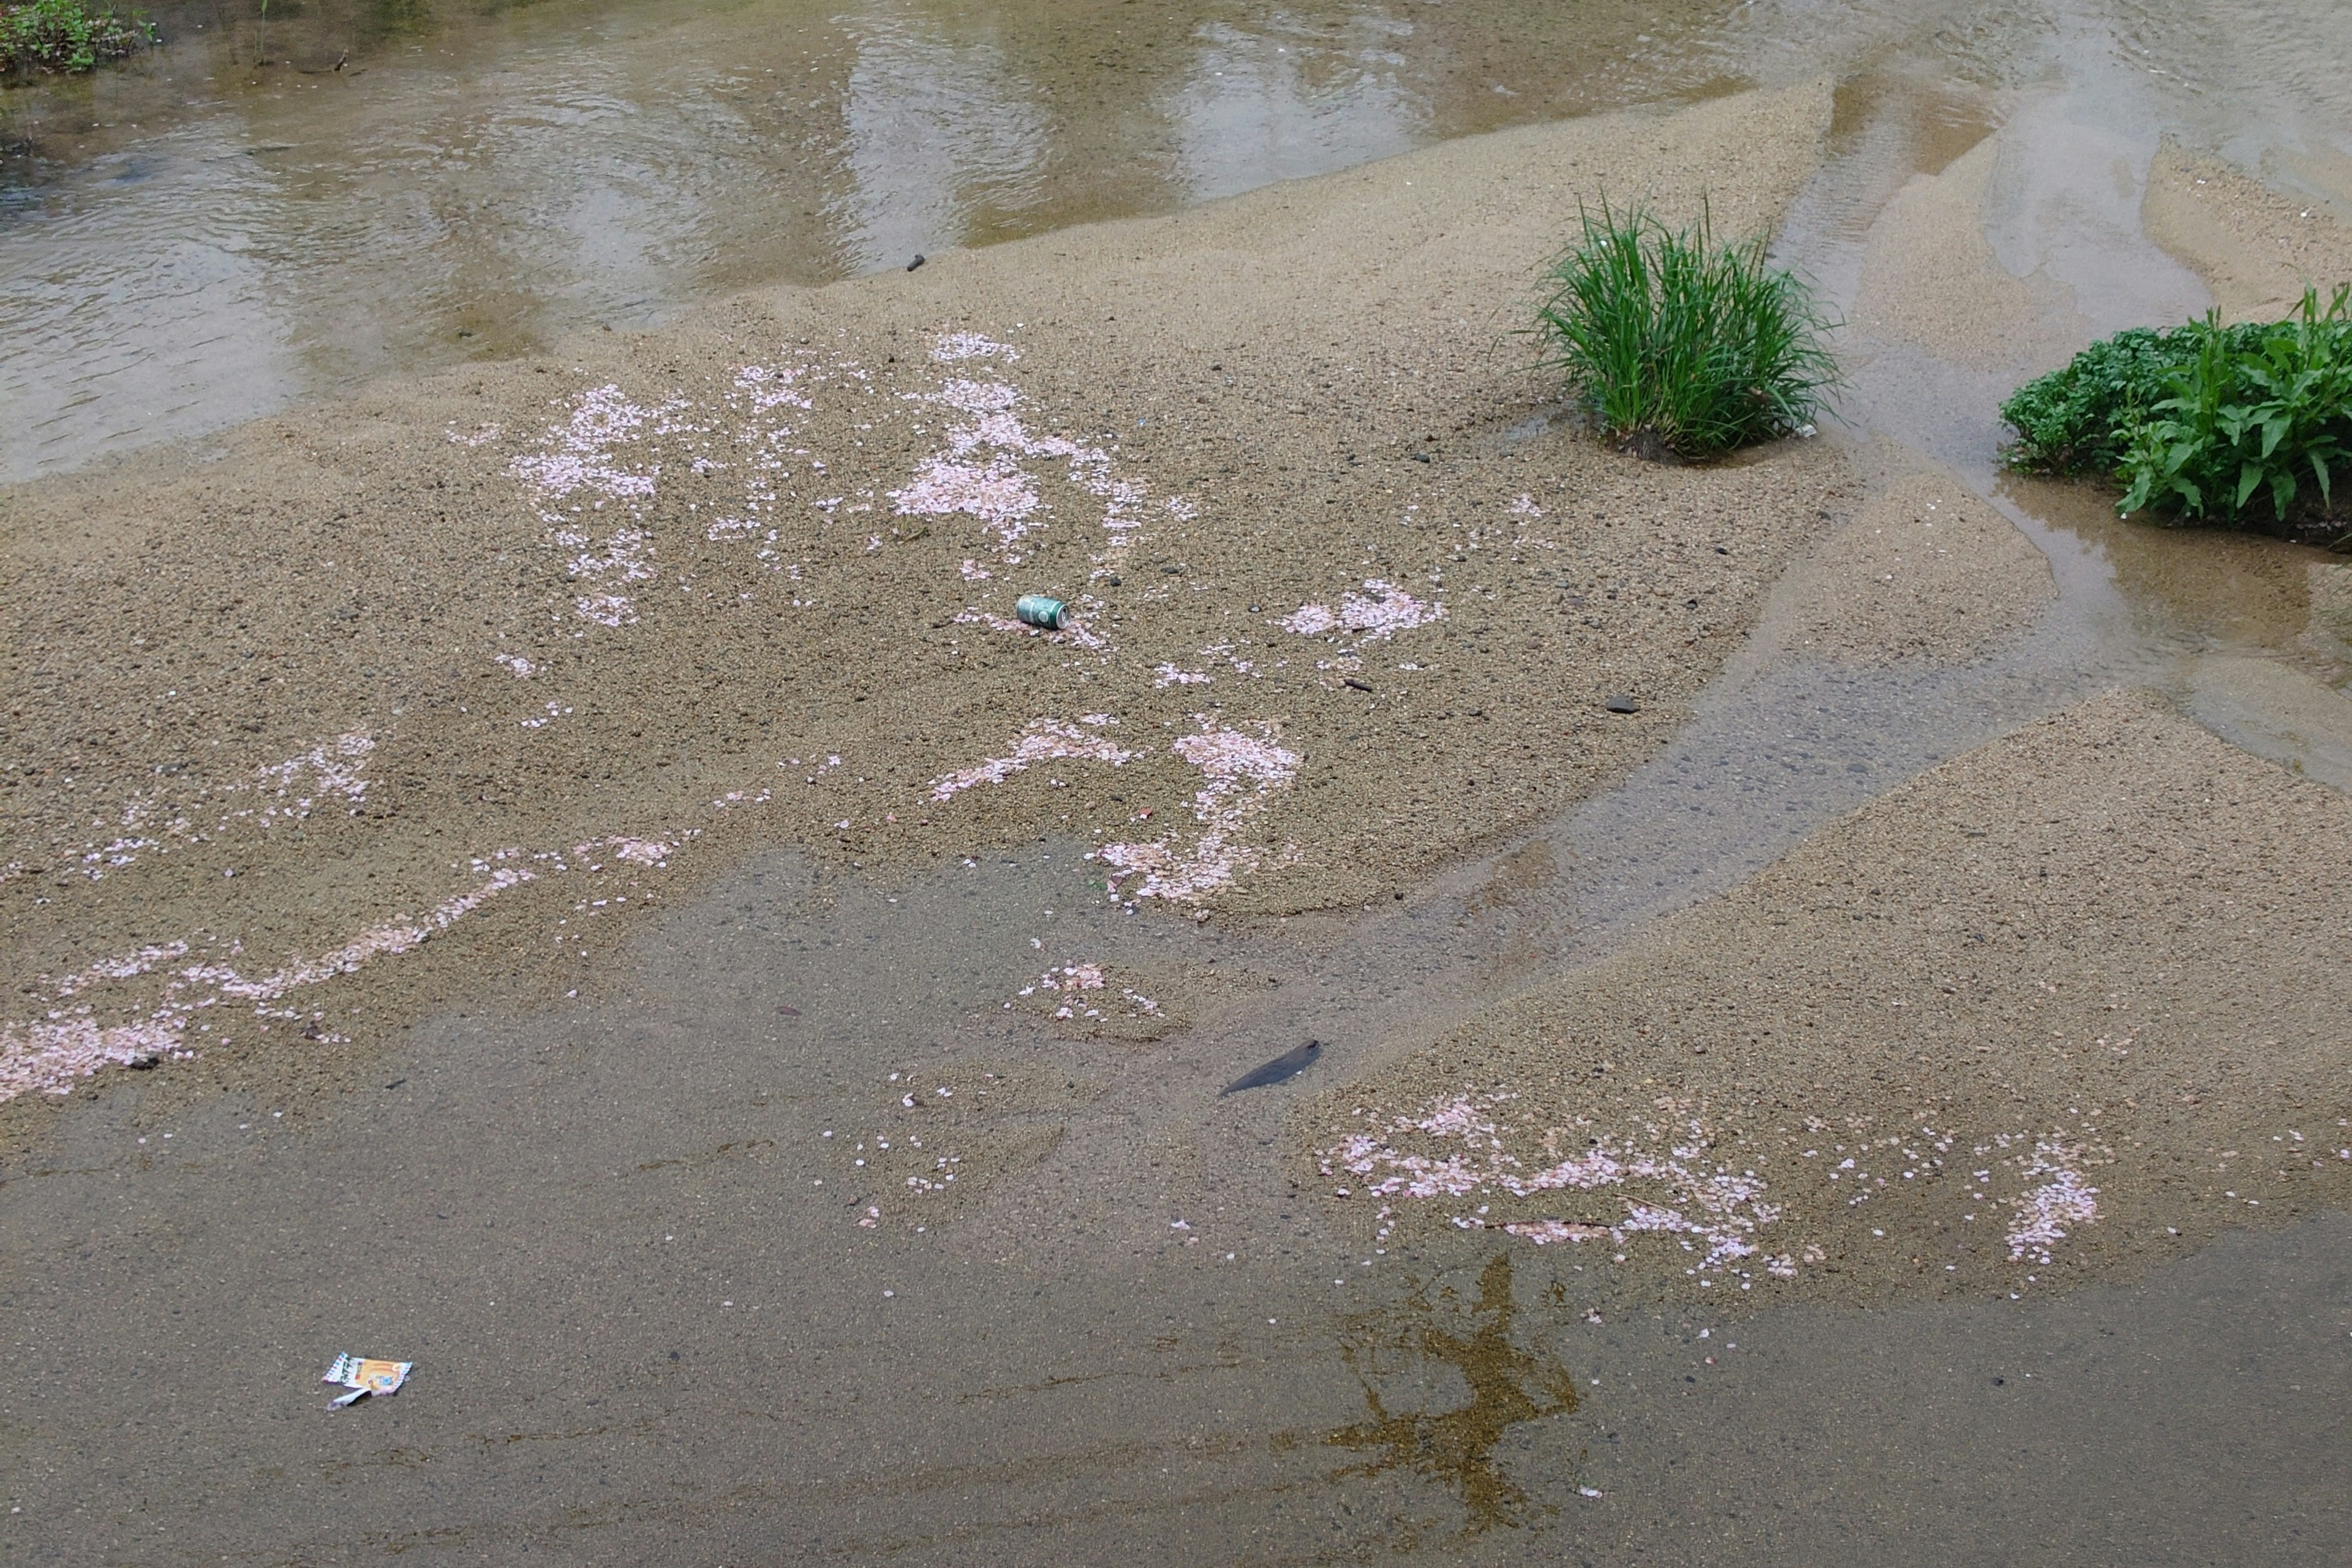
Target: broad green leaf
{"x":2250,"y":479}
{"x":2282,"y":492}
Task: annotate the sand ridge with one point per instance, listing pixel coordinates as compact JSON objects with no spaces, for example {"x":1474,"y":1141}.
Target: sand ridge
{"x":1929,"y":276}
{"x":2046,"y":1011}
{"x":2256,"y":247}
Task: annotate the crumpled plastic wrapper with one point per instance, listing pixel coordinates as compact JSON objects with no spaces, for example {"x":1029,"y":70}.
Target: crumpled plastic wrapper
{"x":364,"y":1376}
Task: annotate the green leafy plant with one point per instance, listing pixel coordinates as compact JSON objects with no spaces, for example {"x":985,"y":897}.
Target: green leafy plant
{"x":2203,"y":421}
{"x":2068,"y":421}
{"x":66,"y":36}
{"x":1678,"y":344}
{"x":2246,"y":420}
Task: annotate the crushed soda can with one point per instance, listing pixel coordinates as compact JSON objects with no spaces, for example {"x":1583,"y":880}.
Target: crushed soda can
{"x":364,"y":1376}
{"x":1038,"y":610}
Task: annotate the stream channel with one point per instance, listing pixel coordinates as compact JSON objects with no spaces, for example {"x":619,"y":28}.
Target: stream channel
{"x":637,"y":1341}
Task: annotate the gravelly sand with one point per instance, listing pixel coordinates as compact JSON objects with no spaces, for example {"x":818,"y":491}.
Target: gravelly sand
{"x":2058,"y":1002}
{"x":1932,"y":278}
{"x":494,"y":661}
{"x":685,"y":1256}
{"x":492,"y":665}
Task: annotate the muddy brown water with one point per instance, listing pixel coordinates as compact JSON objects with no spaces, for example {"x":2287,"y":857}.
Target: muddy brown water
{"x":620,"y":1240}
{"x":194,"y":238}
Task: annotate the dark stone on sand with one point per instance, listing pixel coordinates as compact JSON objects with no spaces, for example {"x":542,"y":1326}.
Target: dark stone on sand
{"x":1621,"y":705}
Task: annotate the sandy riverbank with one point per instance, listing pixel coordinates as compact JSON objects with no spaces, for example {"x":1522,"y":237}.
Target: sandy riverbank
{"x":812,"y":1227}
{"x":2256,"y":247}
{"x":484,"y":664}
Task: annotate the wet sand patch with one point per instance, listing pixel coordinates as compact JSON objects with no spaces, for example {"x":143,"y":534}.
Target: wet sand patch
{"x":1925,"y":571}
{"x":931,"y":1142}
{"x":2328,"y":635}
{"x":2257,"y":248}
{"x":1929,"y":276}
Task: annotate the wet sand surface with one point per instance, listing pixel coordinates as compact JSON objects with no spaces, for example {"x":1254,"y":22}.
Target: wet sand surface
{"x":1919,"y":1043}
{"x":2256,"y":249}
{"x":870,"y":1194}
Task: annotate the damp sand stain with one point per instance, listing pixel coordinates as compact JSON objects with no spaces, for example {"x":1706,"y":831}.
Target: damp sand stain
{"x":1454,"y":1448}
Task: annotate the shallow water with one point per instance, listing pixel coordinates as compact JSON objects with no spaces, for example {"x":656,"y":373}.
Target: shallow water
{"x":618,"y":1239}
{"x":622,"y":1245}
{"x":194,"y":239}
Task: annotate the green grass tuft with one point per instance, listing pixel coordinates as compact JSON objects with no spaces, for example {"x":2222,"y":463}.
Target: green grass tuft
{"x":2203,"y":421}
{"x":66,"y":36}
{"x":1679,"y":344}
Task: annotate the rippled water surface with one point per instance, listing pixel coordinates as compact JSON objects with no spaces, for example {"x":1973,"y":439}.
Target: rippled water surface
{"x":247,"y":216}
{"x":198,"y":238}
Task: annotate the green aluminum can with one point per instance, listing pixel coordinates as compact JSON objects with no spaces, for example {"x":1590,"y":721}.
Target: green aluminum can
{"x":1038,"y":610}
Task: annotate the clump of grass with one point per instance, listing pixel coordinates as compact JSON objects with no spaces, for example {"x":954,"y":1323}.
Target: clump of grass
{"x":68,"y":37}
{"x":1682,"y":345}
{"x":2203,"y":422}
